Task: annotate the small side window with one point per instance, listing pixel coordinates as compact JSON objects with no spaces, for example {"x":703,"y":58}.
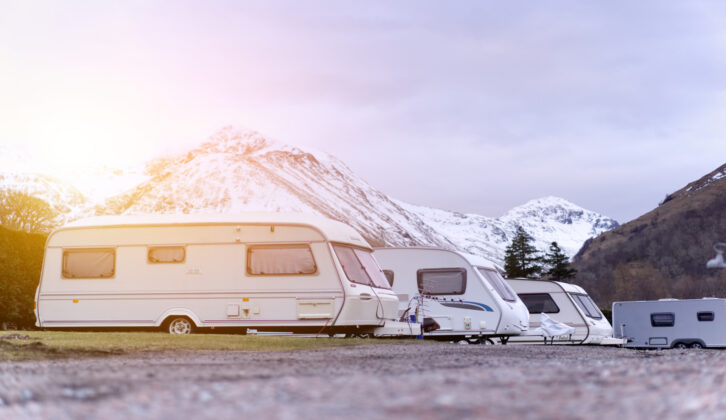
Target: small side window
{"x":389,"y":276}
{"x":706,"y":316}
{"x":442,"y":281}
{"x":166,"y":254}
{"x":662,"y":319}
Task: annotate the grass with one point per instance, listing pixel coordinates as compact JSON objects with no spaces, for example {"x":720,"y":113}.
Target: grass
{"x":35,"y":345}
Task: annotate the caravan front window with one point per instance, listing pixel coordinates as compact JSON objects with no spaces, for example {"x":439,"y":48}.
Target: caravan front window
{"x":498,"y":283}
{"x":360,"y":266}
{"x":586,"y":305}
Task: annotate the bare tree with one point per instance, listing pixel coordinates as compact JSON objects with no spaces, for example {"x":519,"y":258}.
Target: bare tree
{"x":22,"y":211}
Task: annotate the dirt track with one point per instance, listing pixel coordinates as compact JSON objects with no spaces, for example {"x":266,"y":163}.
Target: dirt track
{"x":414,"y":380}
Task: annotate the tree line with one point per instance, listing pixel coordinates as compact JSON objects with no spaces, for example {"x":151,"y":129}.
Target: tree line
{"x":523,"y":260}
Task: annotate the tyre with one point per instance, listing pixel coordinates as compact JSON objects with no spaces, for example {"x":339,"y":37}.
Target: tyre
{"x":696,"y":345}
{"x":680,"y":346}
{"x":180,"y":325}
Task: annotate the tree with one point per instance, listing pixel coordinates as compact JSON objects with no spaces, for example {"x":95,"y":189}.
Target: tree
{"x":558,"y":263}
{"x":521,"y":258}
{"x":21,"y":211}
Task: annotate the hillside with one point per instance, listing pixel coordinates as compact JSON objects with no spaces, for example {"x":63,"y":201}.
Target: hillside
{"x":662,"y":253}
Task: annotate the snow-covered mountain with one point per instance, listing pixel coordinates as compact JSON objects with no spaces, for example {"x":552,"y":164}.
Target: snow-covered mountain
{"x":549,"y":219}
{"x":237,"y":171}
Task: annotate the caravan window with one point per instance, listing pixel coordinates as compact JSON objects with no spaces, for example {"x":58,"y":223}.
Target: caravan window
{"x":389,"y":276}
{"x":705,"y":316}
{"x":166,"y":254}
{"x":89,"y":263}
{"x":539,"y":302}
{"x":441,"y":281}
{"x":663,"y":319}
{"x":586,"y":305}
{"x":360,"y":266}
{"x":499,"y":284}
{"x":275,"y":260}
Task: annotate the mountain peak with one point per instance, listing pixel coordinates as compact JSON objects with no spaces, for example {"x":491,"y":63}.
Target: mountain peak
{"x":237,"y":141}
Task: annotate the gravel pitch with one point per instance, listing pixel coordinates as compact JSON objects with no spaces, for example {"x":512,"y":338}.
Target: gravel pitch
{"x":416,"y":380}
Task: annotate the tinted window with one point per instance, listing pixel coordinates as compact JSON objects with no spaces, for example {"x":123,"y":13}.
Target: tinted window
{"x":539,"y":302}
{"x":586,"y":305}
{"x":360,"y":266}
{"x":89,"y":263}
{"x":441,"y":281}
{"x":280,"y":260}
{"x":705,"y":316}
{"x":662,"y":319}
{"x":389,"y":276}
{"x":166,"y":254}
{"x":499,"y":284}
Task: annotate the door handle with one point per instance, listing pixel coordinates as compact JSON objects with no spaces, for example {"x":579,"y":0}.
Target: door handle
{"x":365,"y":296}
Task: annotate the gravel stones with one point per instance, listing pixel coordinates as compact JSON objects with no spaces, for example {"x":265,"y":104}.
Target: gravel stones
{"x":408,"y":380}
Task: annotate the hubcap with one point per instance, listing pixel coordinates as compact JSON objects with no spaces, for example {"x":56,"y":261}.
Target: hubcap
{"x":180,"y":326}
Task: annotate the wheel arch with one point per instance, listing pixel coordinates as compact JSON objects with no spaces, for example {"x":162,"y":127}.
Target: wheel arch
{"x":170,"y":313}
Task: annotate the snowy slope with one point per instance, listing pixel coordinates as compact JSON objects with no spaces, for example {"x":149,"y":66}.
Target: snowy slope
{"x":243,"y":171}
{"x":549,"y":219}
{"x":236,"y":171}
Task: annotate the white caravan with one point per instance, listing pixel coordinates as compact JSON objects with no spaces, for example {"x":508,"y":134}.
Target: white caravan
{"x":566,"y":303}
{"x":665,"y":323}
{"x":264,"y":271}
{"x":463,"y":295}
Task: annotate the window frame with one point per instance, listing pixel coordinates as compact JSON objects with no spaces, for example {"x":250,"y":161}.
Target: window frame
{"x":709,"y":316}
{"x":67,"y":251}
{"x":419,"y":279}
{"x":248,"y":259}
{"x":539,"y":294}
{"x":660,"y":324}
{"x":151,"y":247}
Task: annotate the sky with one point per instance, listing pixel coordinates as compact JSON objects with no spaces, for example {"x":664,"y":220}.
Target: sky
{"x":469,"y":106}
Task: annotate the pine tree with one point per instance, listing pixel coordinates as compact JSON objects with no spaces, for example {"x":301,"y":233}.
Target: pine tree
{"x":521,"y":258}
{"x":558,"y":263}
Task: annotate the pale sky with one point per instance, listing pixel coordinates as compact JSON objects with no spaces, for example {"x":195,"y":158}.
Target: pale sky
{"x":469,"y":106}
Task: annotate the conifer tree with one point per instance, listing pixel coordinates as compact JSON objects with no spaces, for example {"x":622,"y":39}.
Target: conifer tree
{"x":521,"y":258}
{"x":558,"y":263}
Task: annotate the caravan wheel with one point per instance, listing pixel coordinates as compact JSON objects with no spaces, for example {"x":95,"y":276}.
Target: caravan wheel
{"x":180,"y":325}
{"x":680,"y":346}
{"x":696,"y":345}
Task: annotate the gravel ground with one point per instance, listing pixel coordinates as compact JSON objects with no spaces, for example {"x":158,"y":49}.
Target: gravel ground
{"x":416,"y":380}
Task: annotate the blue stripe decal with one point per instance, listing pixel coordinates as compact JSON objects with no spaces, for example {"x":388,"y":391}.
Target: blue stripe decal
{"x":486,"y":307}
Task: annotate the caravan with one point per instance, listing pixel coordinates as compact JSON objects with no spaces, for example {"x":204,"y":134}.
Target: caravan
{"x":265,"y":271}
{"x":666,"y":323}
{"x":456,"y":296}
{"x":565,"y":303}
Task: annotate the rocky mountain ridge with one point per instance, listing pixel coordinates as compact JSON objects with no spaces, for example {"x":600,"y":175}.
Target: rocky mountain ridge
{"x":238,"y":170}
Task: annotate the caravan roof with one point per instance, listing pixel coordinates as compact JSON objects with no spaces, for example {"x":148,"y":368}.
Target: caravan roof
{"x":474,"y":260}
{"x":332,"y":230}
